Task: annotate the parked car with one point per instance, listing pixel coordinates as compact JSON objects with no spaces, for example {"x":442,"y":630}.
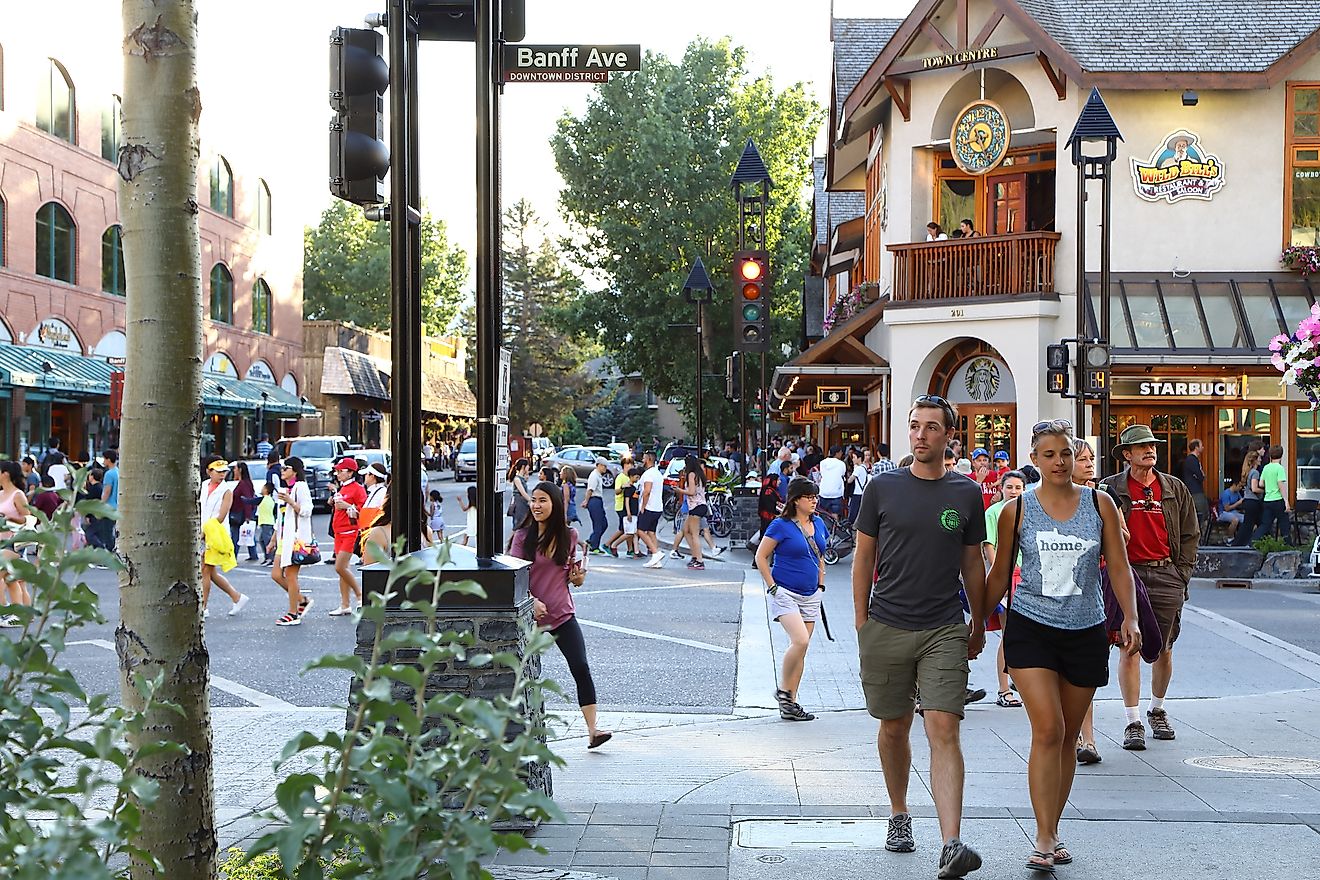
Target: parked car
{"x":381,"y":457}
{"x":583,"y":458}
{"x":622,"y":448}
{"x":465,"y":463}
{"x":676,"y":450}
{"x":318,"y":453}
{"x":542,"y":448}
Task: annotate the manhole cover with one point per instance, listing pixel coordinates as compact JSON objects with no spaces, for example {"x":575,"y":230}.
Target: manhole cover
{"x":811,"y":833}
{"x":771,"y":860}
{"x":1257,"y":764}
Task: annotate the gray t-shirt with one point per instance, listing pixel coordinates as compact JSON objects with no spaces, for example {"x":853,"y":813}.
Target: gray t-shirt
{"x":921,"y":528}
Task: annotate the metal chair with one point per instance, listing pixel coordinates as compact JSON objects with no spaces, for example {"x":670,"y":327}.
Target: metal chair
{"x":1305,"y":514}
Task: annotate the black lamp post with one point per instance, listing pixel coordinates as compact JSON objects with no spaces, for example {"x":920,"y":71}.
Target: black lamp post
{"x":1094,"y":125}
{"x":697,"y":290}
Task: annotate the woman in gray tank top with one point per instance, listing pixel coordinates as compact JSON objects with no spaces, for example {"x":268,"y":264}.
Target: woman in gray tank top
{"x":1055,"y":644}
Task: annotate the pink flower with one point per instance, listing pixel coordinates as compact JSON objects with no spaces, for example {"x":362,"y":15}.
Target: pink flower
{"x":1277,"y":342}
{"x":1316,"y":362}
{"x":1277,"y":360}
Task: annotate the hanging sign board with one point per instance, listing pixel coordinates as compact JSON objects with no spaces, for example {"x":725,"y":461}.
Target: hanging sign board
{"x":833,"y":397}
{"x":502,"y":399}
{"x":567,"y":63}
{"x":1179,"y":168}
{"x":501,"y":456}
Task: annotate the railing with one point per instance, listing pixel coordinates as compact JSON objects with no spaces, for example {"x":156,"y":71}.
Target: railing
{"x":988,"y":265}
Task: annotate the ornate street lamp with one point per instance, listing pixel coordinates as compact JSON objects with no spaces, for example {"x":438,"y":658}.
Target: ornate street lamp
{"x":1094,"y":125}
{"x":697,"y":290}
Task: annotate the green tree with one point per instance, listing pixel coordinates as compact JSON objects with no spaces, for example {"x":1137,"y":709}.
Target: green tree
{"x":160,"y":615}
{"x":620,"y":416}
{"x":663,"y":143}
{"x":346,"y":271}
{"x":547,"y":373}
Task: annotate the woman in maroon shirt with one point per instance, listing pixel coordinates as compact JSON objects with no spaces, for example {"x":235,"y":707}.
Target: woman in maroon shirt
{"x":545,"y":539}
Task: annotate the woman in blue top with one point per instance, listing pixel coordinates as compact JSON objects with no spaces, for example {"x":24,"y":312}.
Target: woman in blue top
{"x":791,"y":563}
{"x":1055,"y":643}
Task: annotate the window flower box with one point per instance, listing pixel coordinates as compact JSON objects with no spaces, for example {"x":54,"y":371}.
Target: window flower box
{"x":1305,"y":260}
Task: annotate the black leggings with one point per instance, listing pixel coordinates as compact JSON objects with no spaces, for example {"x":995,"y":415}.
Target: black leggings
{"x":568,"y":636}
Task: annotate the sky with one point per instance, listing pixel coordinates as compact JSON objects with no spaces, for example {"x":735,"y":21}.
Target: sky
{"x":263,"y":70}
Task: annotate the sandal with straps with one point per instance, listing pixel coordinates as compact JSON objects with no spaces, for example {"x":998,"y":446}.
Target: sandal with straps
{"x":1008,"y":700}
{"x":1040,"y":861}
{"x":1061,"y":854}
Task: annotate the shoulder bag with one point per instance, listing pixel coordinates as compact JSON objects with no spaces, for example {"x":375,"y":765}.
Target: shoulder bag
{"x":811,"y":545}
{"x":305,"y":553}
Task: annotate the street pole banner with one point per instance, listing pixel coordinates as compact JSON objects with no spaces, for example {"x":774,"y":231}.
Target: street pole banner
{"x":568,"y":63}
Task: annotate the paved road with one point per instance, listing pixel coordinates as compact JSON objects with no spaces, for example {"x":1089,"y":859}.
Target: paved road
{"x":659,"y":640}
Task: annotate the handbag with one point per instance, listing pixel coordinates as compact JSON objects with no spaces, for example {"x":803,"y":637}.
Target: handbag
{"x":308,"y":553}
{"x":630,"y":525}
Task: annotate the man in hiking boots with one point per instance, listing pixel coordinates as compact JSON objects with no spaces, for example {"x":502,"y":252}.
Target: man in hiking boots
{"x":918,"y":529}
{"x":1162,"y":539}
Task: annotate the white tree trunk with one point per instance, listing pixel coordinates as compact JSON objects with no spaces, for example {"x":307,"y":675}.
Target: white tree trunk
{"x":160,"y":630}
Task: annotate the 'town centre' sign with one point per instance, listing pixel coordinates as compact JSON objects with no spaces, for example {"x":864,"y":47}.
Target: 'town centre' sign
{"x":589,"y":64}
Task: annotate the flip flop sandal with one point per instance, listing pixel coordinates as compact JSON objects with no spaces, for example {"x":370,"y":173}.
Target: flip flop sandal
{"x":1008,"y":700}
{"x":1039,"y":861}
{"x":1061,"y":854}
{"x":600,"y":739}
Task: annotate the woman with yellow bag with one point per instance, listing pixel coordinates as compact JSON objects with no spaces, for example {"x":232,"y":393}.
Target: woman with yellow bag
{"x":217,"y":496}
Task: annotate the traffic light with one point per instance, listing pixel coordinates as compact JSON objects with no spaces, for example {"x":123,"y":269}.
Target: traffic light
{"x":732,"y":364}
{"x":1056,"y":369}
{"x":454,"y":20}
{"x":1096,"y":358}
{"x":359,"y":159}
{"x":751,"y":300}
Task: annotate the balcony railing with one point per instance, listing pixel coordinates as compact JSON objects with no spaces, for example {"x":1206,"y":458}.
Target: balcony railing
{"x":988,"y":265}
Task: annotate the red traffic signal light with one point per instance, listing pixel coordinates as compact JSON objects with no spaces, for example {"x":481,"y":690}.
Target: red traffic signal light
{"x":751,"y":275}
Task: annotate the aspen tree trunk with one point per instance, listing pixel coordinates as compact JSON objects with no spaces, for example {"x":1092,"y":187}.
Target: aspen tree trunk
{"x":160,"y":630}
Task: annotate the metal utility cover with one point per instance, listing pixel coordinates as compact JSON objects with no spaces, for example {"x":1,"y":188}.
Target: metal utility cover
{"x":811,"y":833}
{"x":1267,"y":766}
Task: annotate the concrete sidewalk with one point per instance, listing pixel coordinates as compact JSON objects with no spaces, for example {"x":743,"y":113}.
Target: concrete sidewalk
{"x":711,"y":797}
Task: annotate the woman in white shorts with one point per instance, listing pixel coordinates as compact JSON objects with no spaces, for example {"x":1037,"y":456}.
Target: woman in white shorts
{"x":791,"y":563}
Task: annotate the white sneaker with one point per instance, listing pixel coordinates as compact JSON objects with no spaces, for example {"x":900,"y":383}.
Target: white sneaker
{"x":674,"y":554}
{"x":657,"y":560}
{"x":206,"y":612}
{"x":714,"y":552}
{"x":240,"y":604}
{"x":8,"y":622}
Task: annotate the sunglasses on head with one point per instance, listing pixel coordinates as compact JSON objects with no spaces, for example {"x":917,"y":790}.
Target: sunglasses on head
{"x":935,"y":400}
{"x":1052,"y":424}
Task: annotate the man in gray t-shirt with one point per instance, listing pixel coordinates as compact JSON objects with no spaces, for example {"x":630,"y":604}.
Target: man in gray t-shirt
{"x":918,"y":530}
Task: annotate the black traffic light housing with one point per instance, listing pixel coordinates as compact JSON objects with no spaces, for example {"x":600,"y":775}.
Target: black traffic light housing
{"x":751,"y":301}
{"x":1096,"y":361}
{"x":359,"y":76}
{"x":732,"y":364}
{"x":455,"y":20}
{"x":1056,"y":369}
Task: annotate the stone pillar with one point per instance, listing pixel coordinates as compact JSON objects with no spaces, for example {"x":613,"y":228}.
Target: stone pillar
{"x":499,"y":623}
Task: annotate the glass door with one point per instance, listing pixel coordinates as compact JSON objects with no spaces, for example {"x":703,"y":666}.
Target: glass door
{"x":1008,"y":204}
{"x":986,"y":427}
{"x":1237,"y":428}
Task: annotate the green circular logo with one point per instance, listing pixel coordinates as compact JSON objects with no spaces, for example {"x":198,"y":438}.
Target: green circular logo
{"x":950,"y":519}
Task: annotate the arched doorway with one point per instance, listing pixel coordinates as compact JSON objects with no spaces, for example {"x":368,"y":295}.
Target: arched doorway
{"x":974,"y":377}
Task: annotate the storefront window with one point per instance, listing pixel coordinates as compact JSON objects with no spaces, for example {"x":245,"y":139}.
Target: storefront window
{"x":1147,"y":321}
{"x":1237,"y":428}
{"x":1303,"y":172}
{"x":1308,"y":454}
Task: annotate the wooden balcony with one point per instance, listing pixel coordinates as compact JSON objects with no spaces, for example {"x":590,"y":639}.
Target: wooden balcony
{"x":962,"y":268}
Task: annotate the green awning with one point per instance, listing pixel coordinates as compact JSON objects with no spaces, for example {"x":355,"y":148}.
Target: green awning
{"x":45,"y":369}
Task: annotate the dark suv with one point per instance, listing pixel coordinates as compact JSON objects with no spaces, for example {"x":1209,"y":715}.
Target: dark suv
{"x":318,"y":453}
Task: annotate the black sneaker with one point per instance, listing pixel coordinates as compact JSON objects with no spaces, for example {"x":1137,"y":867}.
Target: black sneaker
{"x":957,"y":859}
{"x":791,"y":711}
{"x":1134,"y":737}
{"x":899,"y":837}
{"x":973,"y":696}
{"x":1160,"y":728}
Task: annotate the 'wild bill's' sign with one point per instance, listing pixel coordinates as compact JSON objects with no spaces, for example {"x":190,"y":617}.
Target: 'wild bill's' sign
{"x":591,"y":64}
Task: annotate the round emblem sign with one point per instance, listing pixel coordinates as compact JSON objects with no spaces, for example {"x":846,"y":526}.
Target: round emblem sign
{"x":979,"y":139}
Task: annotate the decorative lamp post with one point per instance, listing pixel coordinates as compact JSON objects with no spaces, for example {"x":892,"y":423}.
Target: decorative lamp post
{"x":1094,"y":125}
{"x":751,"y":192}
{"x":697,"y":290}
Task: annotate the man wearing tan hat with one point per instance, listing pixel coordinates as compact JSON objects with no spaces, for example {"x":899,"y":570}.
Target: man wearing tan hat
{"x":1162,"y":540}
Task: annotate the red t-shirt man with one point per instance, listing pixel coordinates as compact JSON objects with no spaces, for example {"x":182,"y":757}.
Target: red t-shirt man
{"x":342,"y":523}
{"x":1150,"y":537}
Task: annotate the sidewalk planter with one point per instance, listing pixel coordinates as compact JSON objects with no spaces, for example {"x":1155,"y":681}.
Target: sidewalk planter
{"x":1284,"y":565}
{"x":1227,"y":562}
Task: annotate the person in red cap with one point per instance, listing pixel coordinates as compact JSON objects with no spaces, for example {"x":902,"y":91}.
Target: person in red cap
{"x":348,"y":502}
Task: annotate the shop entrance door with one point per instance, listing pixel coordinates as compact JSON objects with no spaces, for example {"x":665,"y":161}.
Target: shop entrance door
{"x":1009,"y":206}
{"x":1176,"y":428}
{"x":1237,"y":428}
{"x":987,"y":426}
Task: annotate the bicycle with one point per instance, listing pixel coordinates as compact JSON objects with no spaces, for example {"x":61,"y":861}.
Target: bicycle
{"x":840,"y":537}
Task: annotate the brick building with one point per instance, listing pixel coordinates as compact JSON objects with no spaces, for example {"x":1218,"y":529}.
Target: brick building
{"x":62,"y":282}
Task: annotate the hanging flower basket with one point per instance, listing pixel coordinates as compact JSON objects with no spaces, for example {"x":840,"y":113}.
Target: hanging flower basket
{"x":1302,"y":259}
{"x":1298,"y":356}
{"x":844,"y":308}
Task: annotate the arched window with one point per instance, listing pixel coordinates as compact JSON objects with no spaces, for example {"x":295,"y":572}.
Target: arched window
{"x":56,"y":105}
{"x":222,"y":294}
{"x":57,"y":243}
{"x":222,"y":187}
{"x":112,"y":261}
{"x":110,"y":116}
{"x":261,"y":306}
{"x":263,"y":206}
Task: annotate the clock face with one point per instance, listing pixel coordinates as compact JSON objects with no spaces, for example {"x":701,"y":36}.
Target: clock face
{"x":980,"y":136}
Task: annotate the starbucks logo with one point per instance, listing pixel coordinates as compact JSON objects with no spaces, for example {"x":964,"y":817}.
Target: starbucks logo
{"x":982,"y":380}
{"x":950,"y":520}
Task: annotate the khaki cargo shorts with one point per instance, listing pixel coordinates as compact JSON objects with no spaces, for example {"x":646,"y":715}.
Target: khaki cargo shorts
{"x":895,"y":662}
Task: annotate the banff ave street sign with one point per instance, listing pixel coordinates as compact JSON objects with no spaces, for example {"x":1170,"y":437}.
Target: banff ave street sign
{"x":558,"y":63}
